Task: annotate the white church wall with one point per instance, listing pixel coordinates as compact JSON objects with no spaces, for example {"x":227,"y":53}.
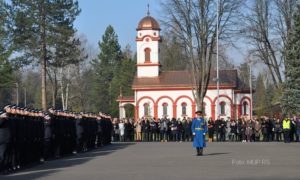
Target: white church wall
{"x":160,"y":107}
{"x":174,"y":94}
{"x":141,"y":107}
{"x":142,"y":45}
{"x":142,"y":33}
{"x":188,"y":108}
{"x":147,"y":71}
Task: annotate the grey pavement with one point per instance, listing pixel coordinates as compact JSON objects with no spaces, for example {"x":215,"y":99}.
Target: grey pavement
{"x":174,"y":161}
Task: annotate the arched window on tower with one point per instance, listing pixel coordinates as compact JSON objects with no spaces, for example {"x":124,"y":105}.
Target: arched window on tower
{"x":165,"y":109}
{"x":146,"y":109}
{"x":147,"y":55}
{"x":183,"y":108}
{"x":245,"y":107}
{"x":222,"y":108}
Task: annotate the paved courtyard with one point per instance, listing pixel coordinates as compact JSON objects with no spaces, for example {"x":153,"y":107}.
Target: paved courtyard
{"x":173,"y":160}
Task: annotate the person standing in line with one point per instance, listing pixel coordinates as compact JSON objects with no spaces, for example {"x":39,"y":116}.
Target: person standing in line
{"x":293,"y":129}
{"x":138,"y":130}
{"x":248,"y":131}
{"x":179,"y":130}
{"x":278,"y":130}
{"x":297,"y":129}
{"x":211,"y":127}
{"x":257,"y":130}
{"x":122,"y":131}
{"x":174,"y":130}
{"x":286,"y":126}
{"x":233,"y":130}
{"x":4,"y":138}
{"x":199,"y":129}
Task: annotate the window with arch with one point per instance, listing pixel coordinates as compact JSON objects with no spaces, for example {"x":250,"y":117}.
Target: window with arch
{"x":222,"y":108}
{"x":245,"y":107}
{"x":146,"y":109}
{"x":165,"y":109}
{"x":183,"y":108}
{"x":147,"y":55}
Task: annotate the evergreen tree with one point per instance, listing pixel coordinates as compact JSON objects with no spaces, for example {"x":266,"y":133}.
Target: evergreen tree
{"x":39,"y":25}
{"x":5,"y":52}
{"x":105,"y":67}
{"x":122,"y":82}
{"x":291,"y":88}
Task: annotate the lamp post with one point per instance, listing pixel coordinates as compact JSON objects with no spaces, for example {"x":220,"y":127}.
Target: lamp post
{"x":250,"y":84}
{"x":17,"y":88}
{"x":25,"y":97}
{"x":218,"y":80}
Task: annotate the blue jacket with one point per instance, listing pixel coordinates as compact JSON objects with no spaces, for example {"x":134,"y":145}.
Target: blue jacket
{"x":199,"y":128}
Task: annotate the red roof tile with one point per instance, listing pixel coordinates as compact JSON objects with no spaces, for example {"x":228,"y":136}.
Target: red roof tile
{"x":183,"y":79}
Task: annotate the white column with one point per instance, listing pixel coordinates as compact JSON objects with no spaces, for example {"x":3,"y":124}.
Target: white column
{"x":122,"y":112}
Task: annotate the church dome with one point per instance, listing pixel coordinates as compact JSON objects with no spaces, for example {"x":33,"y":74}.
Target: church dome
{"x":148,"y":23}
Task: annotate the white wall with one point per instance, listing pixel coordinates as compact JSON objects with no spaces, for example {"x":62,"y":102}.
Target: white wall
{"x":147,"y":71}
{"x":142,"y":45}
{"x":174,"y":94}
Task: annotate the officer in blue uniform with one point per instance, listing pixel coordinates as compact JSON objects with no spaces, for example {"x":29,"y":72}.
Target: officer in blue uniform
{"x":199,"y":129}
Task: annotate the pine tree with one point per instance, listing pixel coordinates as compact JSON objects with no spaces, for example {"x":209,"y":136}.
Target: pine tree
{"x":291,"y":89}
{"x":38,"y":26}
{"x":105,"y":67}
{"x":5,"y":52}
{"x":122,"y":81}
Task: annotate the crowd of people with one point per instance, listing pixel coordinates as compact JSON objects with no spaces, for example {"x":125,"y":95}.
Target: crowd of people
{"x":164,"y":129}
{"x":28,"y":135}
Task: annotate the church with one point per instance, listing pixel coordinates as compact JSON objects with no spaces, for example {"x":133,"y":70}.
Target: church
{"x":169,"y":94}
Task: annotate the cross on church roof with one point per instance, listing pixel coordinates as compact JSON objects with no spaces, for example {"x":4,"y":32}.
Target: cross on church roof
{"x":148,"y":13}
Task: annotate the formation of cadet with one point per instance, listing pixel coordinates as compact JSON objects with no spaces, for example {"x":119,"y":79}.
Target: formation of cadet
{"x":262,"y":129}
{"x":28,"y":136}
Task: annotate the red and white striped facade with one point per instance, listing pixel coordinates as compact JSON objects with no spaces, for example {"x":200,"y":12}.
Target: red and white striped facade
{"x":156,"y":98}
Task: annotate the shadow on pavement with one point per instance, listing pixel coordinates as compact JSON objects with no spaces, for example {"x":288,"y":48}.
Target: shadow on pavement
{"x":53,"y":166}
{"x":215,"y":154}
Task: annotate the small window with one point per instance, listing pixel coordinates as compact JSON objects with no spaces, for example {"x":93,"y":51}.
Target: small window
{"x":183,"y":108}
{"x":222,"y":108}
{"x":146,"y":109}
{"x":245,"y":107}
{"x":147,"y":55}
{"x":165,"y":109}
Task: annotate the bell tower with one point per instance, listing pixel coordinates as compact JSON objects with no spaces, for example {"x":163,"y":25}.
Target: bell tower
{"x":148,"y":39}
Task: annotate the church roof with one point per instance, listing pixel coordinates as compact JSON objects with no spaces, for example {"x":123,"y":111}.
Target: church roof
{"x":182,"y":79}
{"x":148,"y":23}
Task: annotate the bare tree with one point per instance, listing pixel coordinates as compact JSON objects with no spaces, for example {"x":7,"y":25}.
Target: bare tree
{"x":284,"y":21}
{"x":267,"y":24}
{"x":195,"y":23}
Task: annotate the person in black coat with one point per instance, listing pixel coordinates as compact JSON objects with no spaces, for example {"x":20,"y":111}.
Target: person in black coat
{"x":233,"y":130}
{"x":179,"y":130}
{"x":218,"y":129}
{"x":4,"y":138}
{"x":211,"y":129}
